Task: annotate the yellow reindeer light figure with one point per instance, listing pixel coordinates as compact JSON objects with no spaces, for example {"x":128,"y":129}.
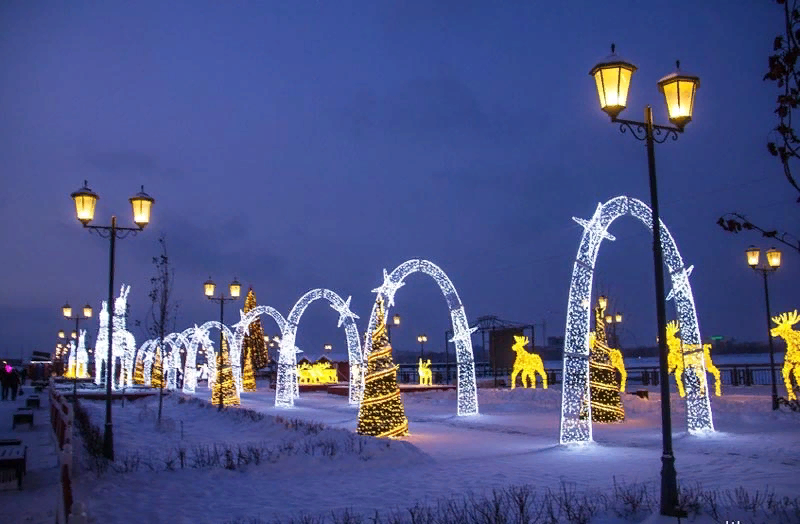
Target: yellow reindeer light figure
{"x":527,"y":364}
{"x":791,"y":361}
{"x":619,"y":365}
{"x":425,"y":375}
{"x":678,"y":360}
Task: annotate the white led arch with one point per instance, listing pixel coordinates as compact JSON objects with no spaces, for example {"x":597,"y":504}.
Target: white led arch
{"x":200,"y":335}
{"x":287,"y":388}
{"x":462,"y":333}
{"x":575,"y":389}
{"x":242,"y":328}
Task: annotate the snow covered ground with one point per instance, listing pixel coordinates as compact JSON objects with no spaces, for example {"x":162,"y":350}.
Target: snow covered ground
{"x":513,"y":441}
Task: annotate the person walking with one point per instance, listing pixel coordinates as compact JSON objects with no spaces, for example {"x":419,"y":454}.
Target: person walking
{"x":4,"y":380}
{"x":13,"y":384}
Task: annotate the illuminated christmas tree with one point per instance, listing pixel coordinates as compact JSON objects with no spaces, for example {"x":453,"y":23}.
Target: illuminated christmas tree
{"x":224,"y":384}
{"x":138,"y":372}
{"x":381,"y":413}
{"x":248,"y":376}
{"x":253,"y":343}
{"x":603,"y":384}
{"x":157,"y":375}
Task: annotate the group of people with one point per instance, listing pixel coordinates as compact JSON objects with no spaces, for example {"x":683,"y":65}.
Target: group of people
{"x":11,"y":380}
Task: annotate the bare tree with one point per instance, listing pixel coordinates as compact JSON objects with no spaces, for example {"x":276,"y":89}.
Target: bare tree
{"x":163,"y":311}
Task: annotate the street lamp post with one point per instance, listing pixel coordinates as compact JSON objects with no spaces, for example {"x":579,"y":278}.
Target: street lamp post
{"x":773,"y":263}
{"x":422,"y":339}
{"x":87,"y":313}
{"x":613,"y":77}
{"x":235,"y":289}
{"x":141,"y":204}
{"x":612,"y":320}
{"x":395,"y":321}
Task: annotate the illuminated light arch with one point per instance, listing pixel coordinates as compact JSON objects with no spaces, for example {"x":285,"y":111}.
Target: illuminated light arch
{"x":200,"y":335}
{"x":287,"y":388}
{"x":146,"y":354}
{"x":575,"y":389}
{"x":242,"y":328}
{"x":172,"y":361}
{"x":462,"y":333}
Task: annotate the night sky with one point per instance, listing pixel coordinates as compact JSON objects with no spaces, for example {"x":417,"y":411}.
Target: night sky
{"x":297,"y":145}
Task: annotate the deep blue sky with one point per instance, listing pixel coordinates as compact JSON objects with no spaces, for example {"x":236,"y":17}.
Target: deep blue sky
{"x":312,"y":144}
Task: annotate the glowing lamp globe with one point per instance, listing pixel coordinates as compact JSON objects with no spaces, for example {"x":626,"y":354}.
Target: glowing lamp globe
{"x":753,"y":254}
{"x":619,"y":317}
{"x":85,"y":202}
{"x":609,"y":319}
{"x":613,"y":79}
{"x":679,"y":90}
{"x":61,"y":334}
{"x":74,"y":334}
{"x":142,"y":203}
{"x":774,"y":258}
{"x":396,"y":320}
{"x":87,"y":311}
{"x":208,"y":287}
{"x":235,"y":288}
{"x":66,"y":310}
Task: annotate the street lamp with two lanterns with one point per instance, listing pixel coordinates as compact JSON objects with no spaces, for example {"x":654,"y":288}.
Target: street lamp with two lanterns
{"x":773,"y":262}
{"x":235,"y":289}
{"x":85,"y":203}
{"x":613,"y":79}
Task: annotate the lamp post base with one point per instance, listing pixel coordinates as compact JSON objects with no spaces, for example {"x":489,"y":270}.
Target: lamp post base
{"x":669,"y":488}
{"x":108,"y":442}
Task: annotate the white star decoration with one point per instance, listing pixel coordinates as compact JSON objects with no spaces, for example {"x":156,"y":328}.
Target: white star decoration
{"x":464,"y":335}
{"x":388,"y":289}
{"x":344,"y":312}
{"x":680,"y":282}
{"x":593,"y":225}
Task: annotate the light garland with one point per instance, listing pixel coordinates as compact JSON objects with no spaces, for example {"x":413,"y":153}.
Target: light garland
{"x":200,"y":335}
{"x":287,"y":388}
{"x":317,"y":373}
{"x":575,"y":389}
{"x":527,"y":364}
{"x":242,"y":328}
{"x":381,"y":413}
{"x":462,"y":333}
{"x":791,"y":361}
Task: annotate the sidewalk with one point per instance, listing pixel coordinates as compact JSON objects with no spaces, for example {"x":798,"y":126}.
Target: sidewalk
{"x":36,"y":503}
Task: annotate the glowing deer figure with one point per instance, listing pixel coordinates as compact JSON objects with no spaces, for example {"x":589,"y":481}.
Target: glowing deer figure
{"x":791,"y":362}
{"x":82,"y":359}
{"x":124,"y":347}
{"x":527,"y":364}
{"x":677,"y":361}
{"x":425,"y":375}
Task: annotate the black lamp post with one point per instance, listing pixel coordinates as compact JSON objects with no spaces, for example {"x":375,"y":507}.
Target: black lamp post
{"x":395,"y":321}
{"x":85,"y":202}
{"x":235,"y":289}
{"x":422,"y":339}
{"x":612,"y":320}
{"x":613,"y":77}
{"x":773,"y":263}
{"x":66,"y":310}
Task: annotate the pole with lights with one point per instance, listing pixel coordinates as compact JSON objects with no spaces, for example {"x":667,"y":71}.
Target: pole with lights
{"x":66,"y":310}
{"x":85,"y":202}
{"x":395,"y":322}
{"x":773,"y":262}
{"x":422,"y":339}
{"x":613,"y":78}
{"x":235,"y":289}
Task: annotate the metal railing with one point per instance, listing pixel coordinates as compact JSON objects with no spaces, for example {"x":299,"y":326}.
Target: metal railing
{"x":730,"y":374}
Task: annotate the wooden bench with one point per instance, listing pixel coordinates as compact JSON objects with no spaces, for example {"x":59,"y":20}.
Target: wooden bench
{"x":12,"y":459}
{"x":22,"y":416}
{"x":33,"y":402}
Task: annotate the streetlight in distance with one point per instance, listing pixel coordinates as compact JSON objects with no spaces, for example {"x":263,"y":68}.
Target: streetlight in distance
{"x":612,"y":320}
{"x":422,"y":339}
{"x":773,"y":262}
{"x":235,"y":289}
{"x":395,"y":322}
{"x":613,"y":79}
{"x":141,"y":204}
{"x":66,"y":310}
